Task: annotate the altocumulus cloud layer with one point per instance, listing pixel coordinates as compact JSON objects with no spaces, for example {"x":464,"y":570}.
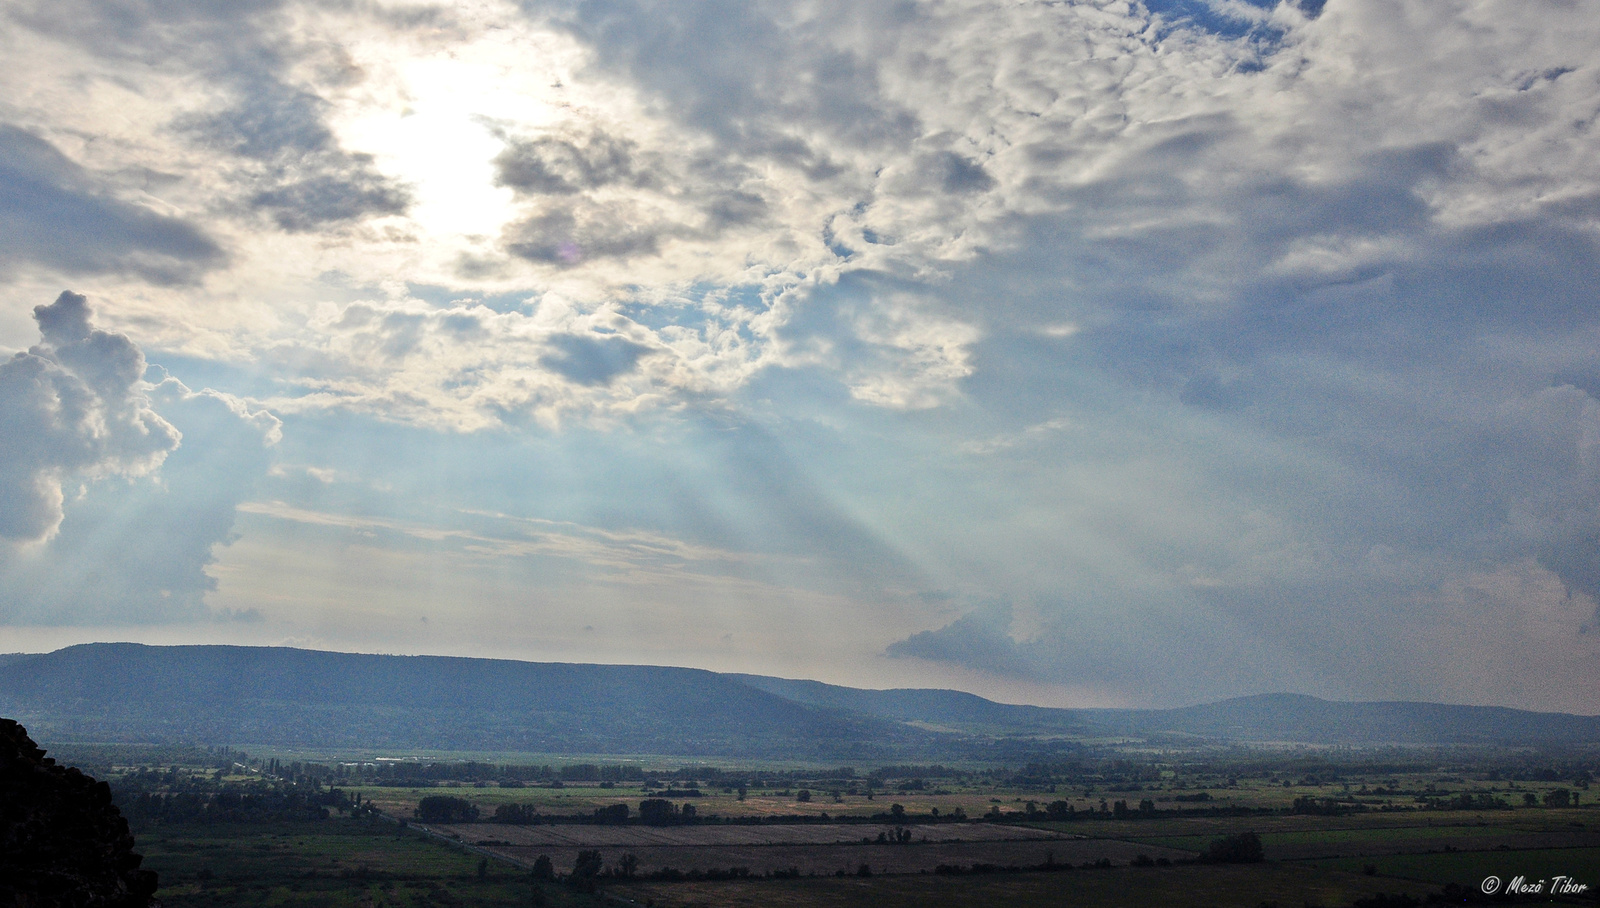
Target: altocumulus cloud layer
{"x":1032,"y":347}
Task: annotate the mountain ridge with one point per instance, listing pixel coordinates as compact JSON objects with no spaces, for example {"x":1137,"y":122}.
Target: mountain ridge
{"x":281,"y":695}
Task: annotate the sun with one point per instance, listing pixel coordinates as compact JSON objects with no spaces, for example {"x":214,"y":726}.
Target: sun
{"x":437,"y":120}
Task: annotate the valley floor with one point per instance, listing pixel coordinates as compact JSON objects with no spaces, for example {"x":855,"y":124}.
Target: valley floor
{"x":1322,"y":861}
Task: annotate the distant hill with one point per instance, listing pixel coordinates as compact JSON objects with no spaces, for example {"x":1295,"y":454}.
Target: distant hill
{"x":276,"y":695}
{"x":290,"y":697}
{"x":1265,"y":718}
{"x":1299,"y":718}
{"x":951,"y":709}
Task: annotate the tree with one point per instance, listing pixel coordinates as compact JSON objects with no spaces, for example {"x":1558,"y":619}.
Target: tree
{"x":803,"y":795}
{"x":657,"y":812}
{"x":588,"y":863}
{"x":543,"y":869}
{"x":585,"y":868}
{"x":1244,"y":848}
{"x":445,"y":809}
{"x":628,"y":865}
{"x":516,"y":814}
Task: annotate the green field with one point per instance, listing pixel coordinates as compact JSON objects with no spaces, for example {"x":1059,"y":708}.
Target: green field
{"x":1189,"y":887}
{"x":371,"y":863}
{"x":1469,"y":868}
{"x":286,"y":854}
{"x":1370,"y":835}
{"x":337,"y":863}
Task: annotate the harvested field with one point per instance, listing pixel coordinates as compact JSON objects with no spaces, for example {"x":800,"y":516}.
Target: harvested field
{"x":1196,"y":886}
{"x":1460,"y":843}
{"x":1469,"y":868}
{"x":823,"y":850}
{"x":586,"y":836}
{"x":1399,"y":840}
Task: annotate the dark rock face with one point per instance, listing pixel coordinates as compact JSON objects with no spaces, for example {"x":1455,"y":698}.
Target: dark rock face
{"x":63,"y":844}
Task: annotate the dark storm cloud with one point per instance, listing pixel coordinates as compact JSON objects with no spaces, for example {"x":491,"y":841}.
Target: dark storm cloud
{"x":56,"y":214}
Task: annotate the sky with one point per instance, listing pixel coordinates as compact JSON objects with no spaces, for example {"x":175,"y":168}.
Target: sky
{"x":1074,"y":353}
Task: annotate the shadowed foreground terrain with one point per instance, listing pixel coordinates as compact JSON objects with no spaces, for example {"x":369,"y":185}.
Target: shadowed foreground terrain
{"x":62,"y":842}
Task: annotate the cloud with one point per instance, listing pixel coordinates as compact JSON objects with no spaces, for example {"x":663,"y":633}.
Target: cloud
{"x":1037,"y":433}
{"x":978,"y":640}
{"x":551,"y":165}
{"x":566,"y":237}
{"x":592,"y":360}
{"x":291,"y":160}
{"x":258,"y":130}
{"x":756,"y":75}
{"x":589,"y":192}
{"x":312,"y":193}
{"x":157,"y":472}
{"x":1211,"y":333}
{"x":59,"y":215}
{"x":466,"y":367}
{"x":890,"y":342}
{"x":72,"y":406}
{"x":1388,"y":534}
{"x":956,"y":174}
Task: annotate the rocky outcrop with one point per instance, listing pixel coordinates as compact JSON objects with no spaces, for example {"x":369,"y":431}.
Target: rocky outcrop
{"x":63,"y":844}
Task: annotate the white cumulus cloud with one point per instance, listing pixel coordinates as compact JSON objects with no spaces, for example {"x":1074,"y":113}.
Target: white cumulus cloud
{"x":73,"y":407}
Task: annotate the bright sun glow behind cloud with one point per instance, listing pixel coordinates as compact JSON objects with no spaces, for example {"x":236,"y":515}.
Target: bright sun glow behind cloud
{"x":437,"y":121}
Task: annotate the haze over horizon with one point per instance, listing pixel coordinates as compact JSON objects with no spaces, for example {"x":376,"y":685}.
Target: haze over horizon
{"x":1079,"y":354}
